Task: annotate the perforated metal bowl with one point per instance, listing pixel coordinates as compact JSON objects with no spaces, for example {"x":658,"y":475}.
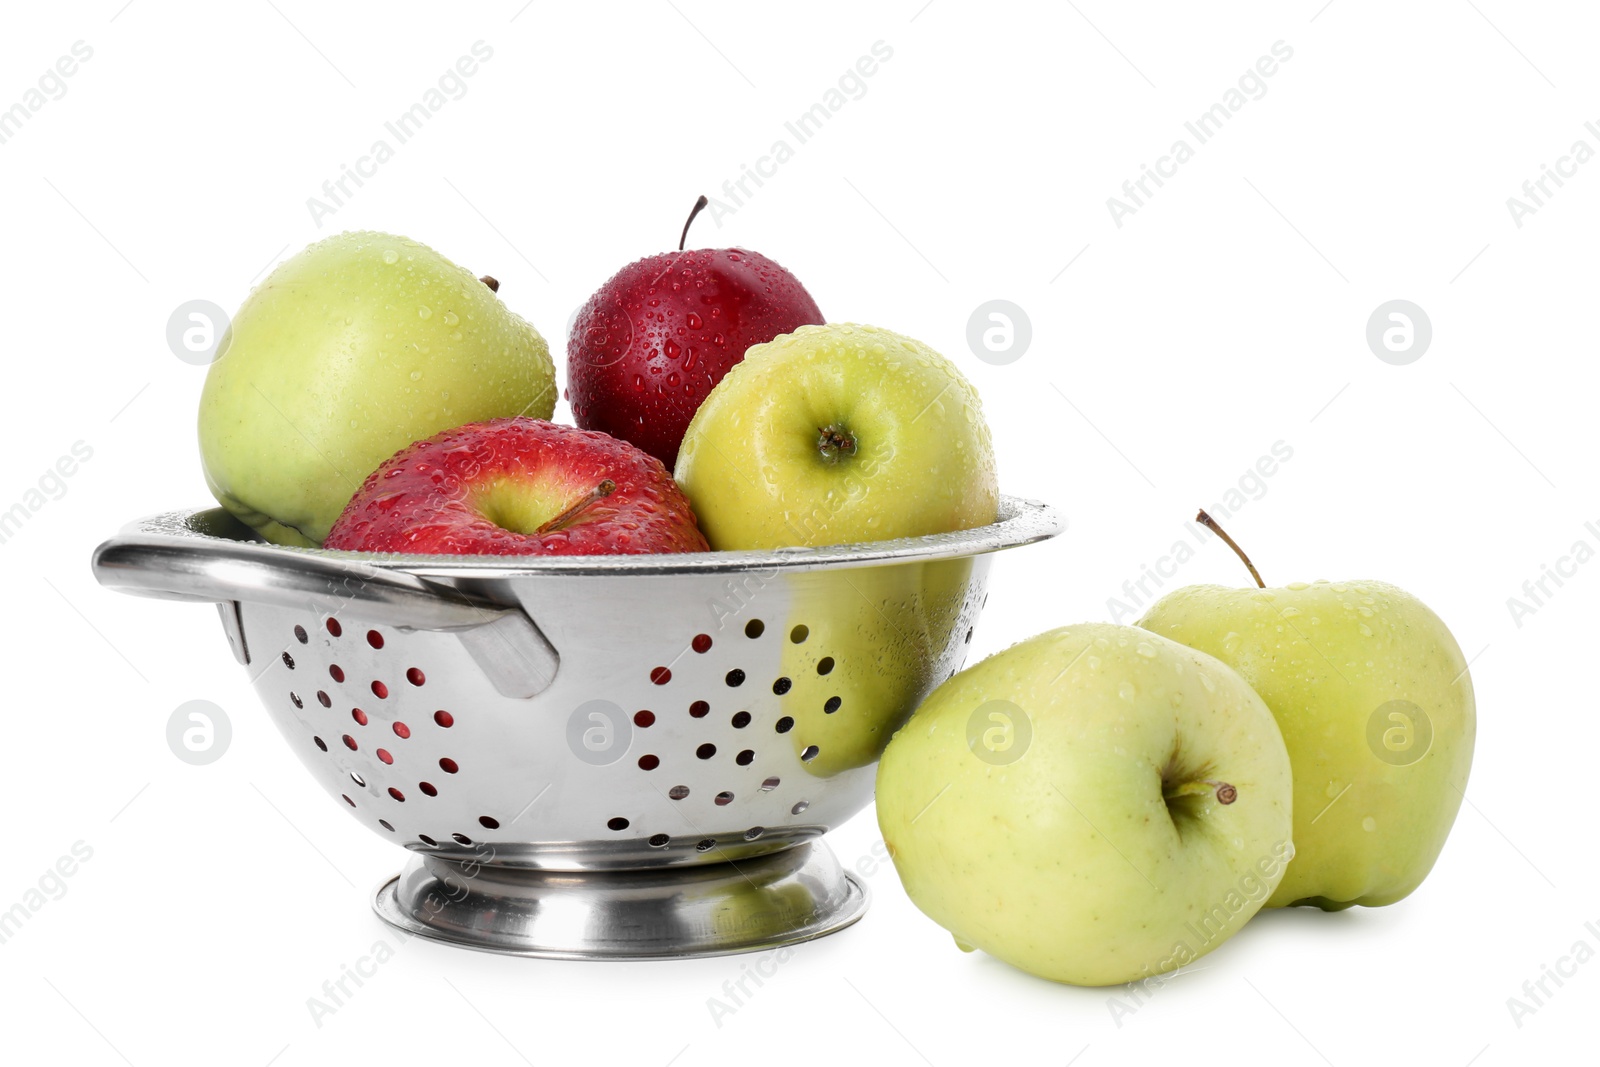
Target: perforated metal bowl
{"x":624,"y":756}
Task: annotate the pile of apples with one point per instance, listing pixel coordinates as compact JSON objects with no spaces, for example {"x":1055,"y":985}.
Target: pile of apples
{"x":373,"y":396}
{"x":1099,"y":804}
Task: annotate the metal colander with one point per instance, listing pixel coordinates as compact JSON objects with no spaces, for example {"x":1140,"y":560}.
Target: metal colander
{"x":601,"y":757}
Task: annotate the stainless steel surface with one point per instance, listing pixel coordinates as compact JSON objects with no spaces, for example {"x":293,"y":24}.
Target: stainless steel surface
{"x":708,"y":708}
{"x":710,"y":910}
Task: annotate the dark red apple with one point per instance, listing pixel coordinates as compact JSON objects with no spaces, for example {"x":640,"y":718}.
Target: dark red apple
{"x":519,"y":487}
{"x":647,"y":348}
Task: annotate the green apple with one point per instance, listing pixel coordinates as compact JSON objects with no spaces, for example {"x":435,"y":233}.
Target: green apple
{"x":1094,"y":805}
{"x":834,"y":434}
{"x":347,"y":353}
{"x":1375,"y":703}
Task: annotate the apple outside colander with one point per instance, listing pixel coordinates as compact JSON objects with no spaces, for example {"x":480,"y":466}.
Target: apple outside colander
{"x":619,"y":757}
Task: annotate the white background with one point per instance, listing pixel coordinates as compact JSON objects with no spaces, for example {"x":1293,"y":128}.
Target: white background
{"x":1224,"y":316}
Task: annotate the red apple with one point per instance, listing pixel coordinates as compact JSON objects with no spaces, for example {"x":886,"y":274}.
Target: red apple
{"x":647,"y":348}
{"x":519,"y":487}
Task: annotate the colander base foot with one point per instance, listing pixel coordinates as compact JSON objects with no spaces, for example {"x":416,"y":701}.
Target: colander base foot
{"x":710,"y":909}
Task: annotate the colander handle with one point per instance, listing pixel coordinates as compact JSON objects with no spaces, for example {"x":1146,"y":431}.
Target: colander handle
{"x":504,"y":642}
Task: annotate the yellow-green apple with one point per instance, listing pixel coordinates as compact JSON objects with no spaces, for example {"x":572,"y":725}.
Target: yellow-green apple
{"x":519,"y":487}
{"x":1376,"y":707}
{"x":349,"y":351}
{"x":1094,"y":805}
{"x":838,"y":433}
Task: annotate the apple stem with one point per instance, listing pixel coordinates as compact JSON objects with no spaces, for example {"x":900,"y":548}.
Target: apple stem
{"x":699,"y":206}
{"x":835,"y":443}
{"x":561,"y":521}
{"x":1207,"y":521}
{"x":1226,"y":793}
{"x":492,"y":282}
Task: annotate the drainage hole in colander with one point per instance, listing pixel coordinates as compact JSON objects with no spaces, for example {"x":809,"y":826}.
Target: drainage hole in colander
{"x":375,"y":639}
{"x":799,"y":634}
{"x":699,"y":709}
{"x":336,"y":672}
{"x":741,"y":720}
{"x":734,"y":678}
{"x":489,"y":822}
{"x":724,"y":798}
{"x":415,"y":676}
{"x":401,"y":730}
{"x":770,"y":784}
{"x":618,"y":823}
{"x":659,"y":840}
{"x":701,"y":643}
{"x":831,"y":706}
{"x":300,"y":634}
{"x":706,"y":751}
{"x":426,"y":840}
{"x":461,"y":839}
{"x":448,"y":765}
{"x":782,"y":686}
{"x":384,"y":755}
{"x":660,"y":675}
{"x":754,"y":832}
{"x":784,"y":725}
{"x":347,"y":799}
{"x":444,"y":719}
{"x":324,"y":699}
{"x":321,"y":743}
{"x":754,"y":628}
{"x":644,"y":719}
{"x":380,"y":690}
{"x":745,"y":758}
{"x":705,"y":846}
{"x":825,"y":665}
{"x":800,"y":806}
{"x":288,"y":661}
{"x":649,"y":762}
{"x":359,"y":716}
{"x":401,"y":797}
{"x":349,"y":742}
{"x":810,"y":753}
{"x":429,"y":788}
{"x":334,"y":628}
{"x":386,"y":825}
{"x":294,"y":698}
{"x":678,"y":792}
{"x":358,"y":780}
{"x":969,"y":636}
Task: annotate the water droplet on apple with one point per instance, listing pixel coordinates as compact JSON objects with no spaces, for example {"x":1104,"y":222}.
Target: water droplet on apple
{"x":416,"y":376}
{"x":1369,"y":824}
{"x":450,"y":318}
{"x":1093,"y":662}
{"x":670,"y":349}
{"x":391,"y":257}
{"x":692,"y":321}
{"x":1366,"y":631}
{"x":1127,"y":691}
{"x":1146,"y":649}
{"x":424,"y":312}
{"x":1290,"y":612}
{"x":638,"y":383}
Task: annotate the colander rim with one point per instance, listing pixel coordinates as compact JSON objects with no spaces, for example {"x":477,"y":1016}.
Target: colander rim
{"x":1020,"y":521}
